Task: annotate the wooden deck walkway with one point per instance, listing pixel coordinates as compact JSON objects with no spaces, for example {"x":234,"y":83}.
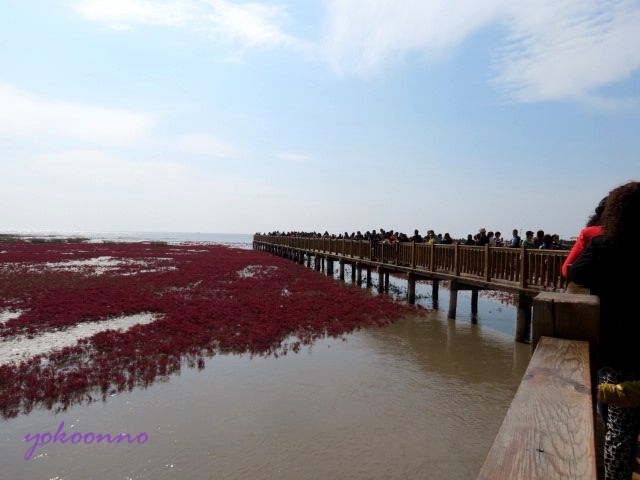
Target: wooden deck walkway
{"x":524,"y":272}
{"x":499,"y":268}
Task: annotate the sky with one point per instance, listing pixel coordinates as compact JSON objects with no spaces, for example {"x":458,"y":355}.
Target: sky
{"x":235,"y":116}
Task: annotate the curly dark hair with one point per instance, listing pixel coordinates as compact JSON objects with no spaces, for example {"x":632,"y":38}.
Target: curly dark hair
{"x":595,"y":219}
{"x":621,"y":216}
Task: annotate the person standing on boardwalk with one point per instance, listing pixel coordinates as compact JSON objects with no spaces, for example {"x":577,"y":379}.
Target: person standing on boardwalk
{"x":515,"y":239}
{"x":498,"y":240}
{"x":609,"y":267}
{"x":592,"y":230}
{"x":539,"y":240}
{"x":529,"y":242}
{"x":483,"y":239}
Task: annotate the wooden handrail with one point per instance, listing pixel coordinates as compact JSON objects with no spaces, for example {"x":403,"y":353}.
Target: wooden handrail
{"x":523,"y":269}
{"x":548,"y":432}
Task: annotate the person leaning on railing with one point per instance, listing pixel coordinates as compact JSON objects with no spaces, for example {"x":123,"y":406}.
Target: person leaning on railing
{"x":592,"y":230}
{"x":610,"y":268}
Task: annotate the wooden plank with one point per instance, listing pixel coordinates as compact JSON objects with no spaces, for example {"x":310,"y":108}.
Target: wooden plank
{"x":548,"y":432}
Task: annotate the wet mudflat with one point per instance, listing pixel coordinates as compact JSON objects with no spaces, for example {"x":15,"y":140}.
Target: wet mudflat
{"x":420,"y":398}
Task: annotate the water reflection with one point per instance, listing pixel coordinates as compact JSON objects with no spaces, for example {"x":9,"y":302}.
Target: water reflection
{"x":421,"y":398}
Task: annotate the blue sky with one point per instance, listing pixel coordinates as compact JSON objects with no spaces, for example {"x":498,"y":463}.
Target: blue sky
{"x":229,"y":116}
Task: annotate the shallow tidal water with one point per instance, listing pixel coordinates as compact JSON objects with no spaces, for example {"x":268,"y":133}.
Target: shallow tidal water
{"x":421,"y":398}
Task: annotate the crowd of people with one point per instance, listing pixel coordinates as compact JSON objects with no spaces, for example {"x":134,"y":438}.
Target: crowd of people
{"x":538,"y":240}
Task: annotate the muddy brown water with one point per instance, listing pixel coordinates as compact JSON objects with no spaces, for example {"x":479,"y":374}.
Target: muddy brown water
{"x":421,"y":398}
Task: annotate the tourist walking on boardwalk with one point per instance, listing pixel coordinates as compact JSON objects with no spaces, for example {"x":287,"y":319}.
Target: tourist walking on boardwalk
{"x":483,"y":239}
{"x":539,"y":240}
{"x":430,"y":238}
{"x":529,"y":242}
{"x":515,"y":239}
{"x":592,"y":230}
{"x":498,"y":240}
{"x":547,"y":243}
{"x":615,"y":255}
{"x":416,"y":236}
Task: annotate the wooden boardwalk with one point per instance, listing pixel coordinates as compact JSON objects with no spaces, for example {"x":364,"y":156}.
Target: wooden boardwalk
{"x":524,"y":272}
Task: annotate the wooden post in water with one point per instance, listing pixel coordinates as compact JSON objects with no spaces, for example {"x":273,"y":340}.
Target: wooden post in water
{"x":353,"y":272}
{"x":329,"y":267}
{"x":386,"y":281}
{"x":434,"y":289}
{"x":308,"y":260}
{"x":369,"y":282}
{"x":359,"y":273}
{"x":322,"y":262}
{"x":411,"y":288}
{"x":523,"y":317}
{"x":453,"y":299}
{"x":474,"y":301}
{"x":380,"y":280}
{"x":342,"y":270}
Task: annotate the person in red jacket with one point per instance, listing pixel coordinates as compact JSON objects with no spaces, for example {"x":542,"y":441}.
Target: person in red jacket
{"x":592,"y":230}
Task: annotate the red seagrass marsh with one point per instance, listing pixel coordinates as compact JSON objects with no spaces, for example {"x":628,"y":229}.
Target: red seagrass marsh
{"x":183,"y":303}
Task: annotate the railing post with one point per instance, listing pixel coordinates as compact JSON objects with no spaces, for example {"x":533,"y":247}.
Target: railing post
{"x":397,"y":252}
{"x":382,"y":252}
{"x":487,"y":262}
{"x":524,"y":267}
{"x":456,"y":260}
{"x":433,"y":256}
{"x":413,"y":255}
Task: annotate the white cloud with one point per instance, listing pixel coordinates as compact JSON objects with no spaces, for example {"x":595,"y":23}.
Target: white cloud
{"x":553,"y":49}
{"x":206,"y":144}
{"x":249,"y":25}
{"x":23,"y":114}
{"x":292,"y":157}
{"x":567,"y":49}
{"x":364,"y":36}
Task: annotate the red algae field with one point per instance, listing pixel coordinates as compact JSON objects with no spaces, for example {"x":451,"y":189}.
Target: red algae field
{"x":80,"y":322}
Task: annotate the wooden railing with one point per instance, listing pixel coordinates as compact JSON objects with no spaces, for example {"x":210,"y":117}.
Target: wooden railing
{"x":526,"y":268}
{"x":548,"y":432}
